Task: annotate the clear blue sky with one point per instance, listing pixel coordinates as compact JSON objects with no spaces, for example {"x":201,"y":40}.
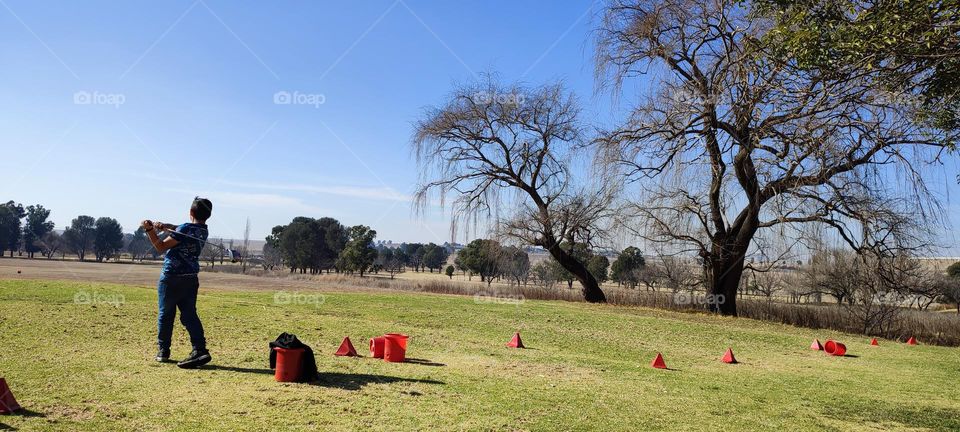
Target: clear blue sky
{"x":197,"y":81}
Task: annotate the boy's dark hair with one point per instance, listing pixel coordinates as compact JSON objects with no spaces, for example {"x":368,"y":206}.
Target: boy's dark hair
{"x":201,"y":209}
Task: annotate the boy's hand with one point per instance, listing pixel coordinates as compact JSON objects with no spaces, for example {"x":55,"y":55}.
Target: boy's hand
{"x":163,"y":226}
{"x":147,"y":225}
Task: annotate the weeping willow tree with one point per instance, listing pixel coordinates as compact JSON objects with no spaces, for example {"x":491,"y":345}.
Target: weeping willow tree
{"x":502,"y":153}
{"x":735,"y":137}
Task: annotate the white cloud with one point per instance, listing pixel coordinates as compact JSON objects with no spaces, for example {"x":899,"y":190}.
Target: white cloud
{"x":256,"y":200}
{"x":372,"y":193}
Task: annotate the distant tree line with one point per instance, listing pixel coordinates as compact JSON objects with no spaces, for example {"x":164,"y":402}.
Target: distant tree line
{"x":308,"y":245}
{"x":489,"y":260}
{"x":26,"y":230}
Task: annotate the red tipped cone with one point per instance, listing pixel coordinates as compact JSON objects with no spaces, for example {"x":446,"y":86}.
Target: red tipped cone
{"x":346,"y":348}
{"x":874,"y":342}
{"x":728,"y":357}
{"x":515,"y":342}
{"x":816,"y":346}
{"x":911,"y":341}
{"x":658,"y":362}
{"x":7,"y":402}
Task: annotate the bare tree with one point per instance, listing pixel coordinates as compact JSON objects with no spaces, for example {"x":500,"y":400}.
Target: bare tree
{"x":649,"y":276}
{"x":245,"y":254}
{"x":833,"y":272}
{"x":543,"y":274}
{"x":389,"y":260}
{"x":880,"y":291}
{"x":212,"y":250}
{"x":765,"y":283}
{"x":272,"y":259}
{"x":51,"y":243}
{"x":393,"y":266}
{"x":678,"y":273}
{"x":918,"y":284}
{"x":734,"y":140}
{"x":794,"y":288}
{"x":515,"y":265}
{"x":504,"y":151}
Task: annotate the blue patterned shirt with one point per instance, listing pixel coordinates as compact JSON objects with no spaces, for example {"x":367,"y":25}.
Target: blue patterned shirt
{"x":184,"y":258}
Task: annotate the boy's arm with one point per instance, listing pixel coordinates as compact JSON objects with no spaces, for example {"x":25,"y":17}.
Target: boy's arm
{"x":160,"y":245}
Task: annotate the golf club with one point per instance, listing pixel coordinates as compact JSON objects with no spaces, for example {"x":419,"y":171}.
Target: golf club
{"x":162,"y":227}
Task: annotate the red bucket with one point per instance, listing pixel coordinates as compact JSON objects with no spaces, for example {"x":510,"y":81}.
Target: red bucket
{"x":376,"y":347}
{"x":395,"y":347}
{"x":402,"y":338}
{"x":834,"y":348}
{"x":288,"y":364}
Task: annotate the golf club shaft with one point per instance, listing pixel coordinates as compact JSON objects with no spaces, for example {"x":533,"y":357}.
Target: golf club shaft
{"x":195,"y":238}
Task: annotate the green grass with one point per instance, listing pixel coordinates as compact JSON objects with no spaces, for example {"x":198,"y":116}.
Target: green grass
{"x":89,"y":367}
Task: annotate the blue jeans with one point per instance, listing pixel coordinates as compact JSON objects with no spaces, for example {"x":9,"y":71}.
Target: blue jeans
{"x":179,"y":292}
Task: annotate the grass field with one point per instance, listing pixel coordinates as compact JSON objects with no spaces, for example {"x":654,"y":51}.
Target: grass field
{"x":88,"y":366}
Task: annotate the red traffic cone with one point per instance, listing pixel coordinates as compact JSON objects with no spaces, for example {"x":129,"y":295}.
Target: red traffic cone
{"x":728,"y":357}
{"x":7,"y":402}
{"x":874,"y":342}
{"x":515,"y":342}
{"x":658,"y":362}
{"x":911,"y":341}
{"x":816,"y":346}
{"x":346,"y":348}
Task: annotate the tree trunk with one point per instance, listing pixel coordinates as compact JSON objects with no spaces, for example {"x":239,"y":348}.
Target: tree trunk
{"x":724,"y":281}
{"x":591,"y":289}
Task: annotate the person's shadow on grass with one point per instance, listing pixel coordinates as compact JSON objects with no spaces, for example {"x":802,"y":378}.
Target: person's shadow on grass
{"x":422,"y":362}
{"x":264,"y":371}
{"x":348,"y":381}
{"x":345,"y":381}
{"x":22,"y":412}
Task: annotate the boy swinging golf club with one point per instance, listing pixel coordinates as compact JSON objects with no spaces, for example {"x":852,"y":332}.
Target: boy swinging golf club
{"x":178,"y":285}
